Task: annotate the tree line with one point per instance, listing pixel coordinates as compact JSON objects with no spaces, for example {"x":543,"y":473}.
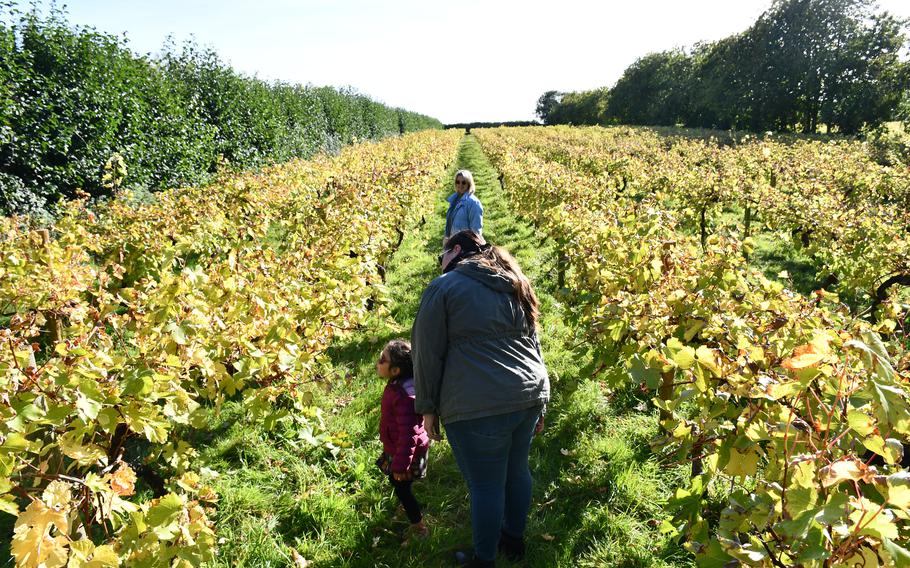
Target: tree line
{"x":470,"y":125}
{"x":804,"y":66}
{"x":73,"y":99}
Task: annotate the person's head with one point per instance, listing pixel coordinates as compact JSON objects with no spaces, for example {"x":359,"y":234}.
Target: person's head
{"x":469,"y":246}
{"x":461,"y":245}
{"x":395,"y":360}
{"x":464,"y":182}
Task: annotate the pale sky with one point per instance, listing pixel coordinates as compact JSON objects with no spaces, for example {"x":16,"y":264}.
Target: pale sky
{"x":458,"y":61}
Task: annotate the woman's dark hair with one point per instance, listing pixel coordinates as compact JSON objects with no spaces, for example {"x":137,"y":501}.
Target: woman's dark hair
{"x":498,"y":259}
{"x":399,"y":352}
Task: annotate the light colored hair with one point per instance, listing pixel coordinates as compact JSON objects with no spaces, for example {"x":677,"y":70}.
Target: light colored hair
{"x":468,"y":176}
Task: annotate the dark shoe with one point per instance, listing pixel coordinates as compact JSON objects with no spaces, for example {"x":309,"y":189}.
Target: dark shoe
{"x":468,"y":560}
{"x":417,"y":531}
{"x":511,"y":547}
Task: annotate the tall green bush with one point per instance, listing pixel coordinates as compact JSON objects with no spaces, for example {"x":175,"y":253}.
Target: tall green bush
{"x":70,"y":98}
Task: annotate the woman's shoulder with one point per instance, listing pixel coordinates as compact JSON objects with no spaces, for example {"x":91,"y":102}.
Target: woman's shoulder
{"x":443,"y":282}
{"x":443,"y":286}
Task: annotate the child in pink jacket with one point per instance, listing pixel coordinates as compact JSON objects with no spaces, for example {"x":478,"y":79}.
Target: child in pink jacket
{"x":404,"y":441}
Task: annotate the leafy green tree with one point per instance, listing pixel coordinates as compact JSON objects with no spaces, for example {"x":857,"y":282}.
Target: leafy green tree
{"x":584,"y":107}
{"x":835,"y":61}
{"x":653,"y":90}
{"x":802,"y":65}
{"x":546,"y":103}
{"x":719,"y":92}
{"x":870,"y":80}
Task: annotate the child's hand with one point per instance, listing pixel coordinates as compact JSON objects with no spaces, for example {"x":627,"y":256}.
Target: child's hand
{"x":403,"y":476}
{"x":383,"y":464}
{"x":539,"y":427}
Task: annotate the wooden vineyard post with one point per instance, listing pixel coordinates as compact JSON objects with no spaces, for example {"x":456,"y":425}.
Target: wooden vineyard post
{"x":703,"y":226}
{"x":747,"y":221}
{"x":54,"y":324}
{"x":561,"y":262}
{"x":665,"y":392}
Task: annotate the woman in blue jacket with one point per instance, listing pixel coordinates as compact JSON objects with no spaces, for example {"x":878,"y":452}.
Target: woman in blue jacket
{"x":465,"y":210}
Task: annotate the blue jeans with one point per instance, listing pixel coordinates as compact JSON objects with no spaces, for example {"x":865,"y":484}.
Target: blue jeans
{"x":492,"y":454}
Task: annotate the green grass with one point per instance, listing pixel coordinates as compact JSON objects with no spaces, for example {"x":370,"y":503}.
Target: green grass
{"x":775,"y":252}
{"x":598,"y":493}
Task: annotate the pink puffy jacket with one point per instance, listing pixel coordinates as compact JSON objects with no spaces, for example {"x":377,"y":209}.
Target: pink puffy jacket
{"x":400,"y":427}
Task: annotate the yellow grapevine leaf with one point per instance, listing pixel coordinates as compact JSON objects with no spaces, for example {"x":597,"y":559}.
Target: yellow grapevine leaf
{"x":865,"y":557}
{"x":33,"y":550}
{"x":776,"y":391}
{"x":742,"y":463}
{"x":891,"y":449}
{"x":898,"y":490}
{"x":164,"y":517}
{"x":879,"y":525}
{"x":8,"y":505}
{"x":33,"y":547}
{"x":80,"y":550}
{"x":41,"y":517}
{"x":123,"y":481}
{"x":57,"y":495}
{"x":843,"y":470}
{"x":103,"y":557}
{"x":682,"y":356}
{"x":84,"y":554}
{"x":707,"y":359}
{"x":84,"y":455}
{"x":805,"y":356}
{"x":860,"y":422}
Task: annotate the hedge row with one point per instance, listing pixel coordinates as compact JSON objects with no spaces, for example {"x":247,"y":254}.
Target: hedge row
{"x":71,"y":98}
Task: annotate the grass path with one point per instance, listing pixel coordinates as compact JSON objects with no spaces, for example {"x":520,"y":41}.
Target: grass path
{"x":598,"y":493}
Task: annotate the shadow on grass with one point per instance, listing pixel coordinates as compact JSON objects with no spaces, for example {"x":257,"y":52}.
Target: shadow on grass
{"x":773,"y":255}
{"x":600,"y":487}
{"x":730,"y":137}
{"x":359,"y":352}
{"x":7,"y":522}
{"x":446,"y":512}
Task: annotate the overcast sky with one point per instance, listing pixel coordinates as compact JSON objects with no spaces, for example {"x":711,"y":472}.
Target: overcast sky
{"x":458,"y":61}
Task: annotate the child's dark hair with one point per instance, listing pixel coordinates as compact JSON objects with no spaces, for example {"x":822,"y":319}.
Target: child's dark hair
{"x":399,"y":352}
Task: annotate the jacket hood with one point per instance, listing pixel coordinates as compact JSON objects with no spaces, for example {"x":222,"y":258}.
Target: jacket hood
{"x":485,"y":275}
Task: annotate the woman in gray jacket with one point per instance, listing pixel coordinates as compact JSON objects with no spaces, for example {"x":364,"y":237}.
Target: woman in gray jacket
{"x":478,"y":369}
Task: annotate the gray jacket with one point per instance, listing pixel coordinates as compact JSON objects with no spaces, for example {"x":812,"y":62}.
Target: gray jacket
{"x":474,"y":355}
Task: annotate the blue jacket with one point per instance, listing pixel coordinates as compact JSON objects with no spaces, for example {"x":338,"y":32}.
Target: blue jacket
{"x":464,"y":213}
